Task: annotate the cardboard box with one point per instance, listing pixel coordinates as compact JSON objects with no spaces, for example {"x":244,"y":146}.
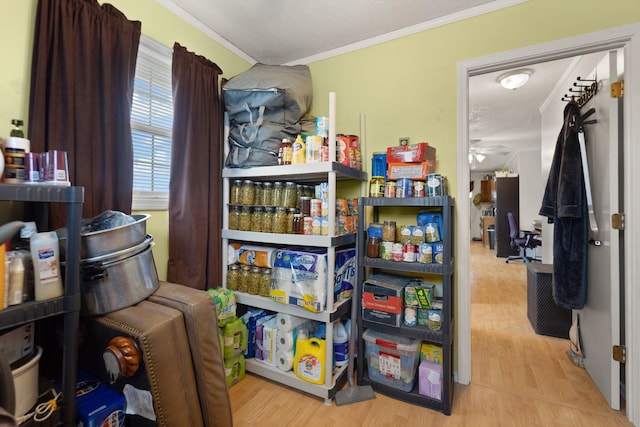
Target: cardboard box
{"x":411,"y":153}
{"x":430,"y":379}
{"x":417,"y":171}
{"x":431,"y":353}
{"x":382,"y":298}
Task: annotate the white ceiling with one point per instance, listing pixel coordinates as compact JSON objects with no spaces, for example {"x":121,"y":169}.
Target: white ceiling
{"x":287,"y":32}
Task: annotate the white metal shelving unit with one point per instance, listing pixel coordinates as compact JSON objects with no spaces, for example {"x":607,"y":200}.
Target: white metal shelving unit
{"x":330,"y":172}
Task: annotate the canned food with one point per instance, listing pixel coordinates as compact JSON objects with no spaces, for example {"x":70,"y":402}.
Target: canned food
{"x":425,"y":253}
{"x":390,"y":189}
{"x":409,"y":252}
{"x":438,"y":253}
{"x":411,"y":316}
{"x":418,"y":189}
{"x":386,"y":250}
{"x":316,"y":207}
{"x":307,"y":225}
{"x":434,"y":185}
{"x":404,"y":187}
{"x":396,"y":252}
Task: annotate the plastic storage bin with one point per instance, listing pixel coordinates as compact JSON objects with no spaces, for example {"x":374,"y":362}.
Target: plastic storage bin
{"x":391,"y":360}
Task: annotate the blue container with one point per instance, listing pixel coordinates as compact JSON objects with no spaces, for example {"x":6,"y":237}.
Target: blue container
{"x":379,"y":165}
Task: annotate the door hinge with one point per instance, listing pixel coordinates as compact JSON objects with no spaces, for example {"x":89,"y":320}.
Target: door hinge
{"x":617,"y":89}
{"x":617,"y":221}
{"x":620,"y":353}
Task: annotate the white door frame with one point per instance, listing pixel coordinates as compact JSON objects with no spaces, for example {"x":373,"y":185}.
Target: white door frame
{"x":627,"y":37}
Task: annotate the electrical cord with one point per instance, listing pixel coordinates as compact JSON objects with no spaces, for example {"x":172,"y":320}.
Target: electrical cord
{"x":43,"y":410}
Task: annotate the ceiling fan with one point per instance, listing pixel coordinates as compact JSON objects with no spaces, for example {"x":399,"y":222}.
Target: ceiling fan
{"x":478,"y":151}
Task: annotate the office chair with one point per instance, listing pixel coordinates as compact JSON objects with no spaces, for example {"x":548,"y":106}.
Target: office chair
{"x":521,"y":239}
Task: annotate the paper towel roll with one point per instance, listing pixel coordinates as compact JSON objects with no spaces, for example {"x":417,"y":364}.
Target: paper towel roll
{"x":285,"y":360}
{"x":260,"y":256}
{"x":288,"y":322}
{"x":286,"y":340}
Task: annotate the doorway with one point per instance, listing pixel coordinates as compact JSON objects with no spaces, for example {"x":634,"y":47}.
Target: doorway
{"x":627,"y":38}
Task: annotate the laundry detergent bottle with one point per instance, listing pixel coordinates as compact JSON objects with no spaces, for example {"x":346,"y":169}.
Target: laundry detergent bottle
{"x":309,"y":362}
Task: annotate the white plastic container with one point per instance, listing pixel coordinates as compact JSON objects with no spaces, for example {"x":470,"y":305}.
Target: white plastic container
{"x":391,"y":360}
{"x":45,"y":253}
{"x":340,"y":344}
{"x":25,"y":381}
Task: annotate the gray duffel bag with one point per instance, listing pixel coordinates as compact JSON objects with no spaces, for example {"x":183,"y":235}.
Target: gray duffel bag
{"x":263,"y":105}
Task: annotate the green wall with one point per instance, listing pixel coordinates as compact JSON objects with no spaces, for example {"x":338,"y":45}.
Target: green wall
{"x":405,"y":87}
{"x":16,"y":42}
{"x":408,"y":87}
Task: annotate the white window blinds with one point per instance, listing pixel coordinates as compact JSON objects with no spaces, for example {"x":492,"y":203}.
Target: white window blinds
{"x":151,"y":125}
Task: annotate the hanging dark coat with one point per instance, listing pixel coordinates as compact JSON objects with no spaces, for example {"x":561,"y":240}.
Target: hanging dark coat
{"x":564,"y":204}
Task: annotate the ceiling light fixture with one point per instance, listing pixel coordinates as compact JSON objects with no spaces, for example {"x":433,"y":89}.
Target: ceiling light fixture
{"x":513,"y":80}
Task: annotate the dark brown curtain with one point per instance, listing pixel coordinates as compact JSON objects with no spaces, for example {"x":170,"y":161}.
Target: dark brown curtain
{"x":195,"y":218}
{"x":82,"y":77}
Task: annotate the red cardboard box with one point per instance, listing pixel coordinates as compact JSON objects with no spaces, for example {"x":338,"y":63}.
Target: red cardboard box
{"x":382,"y":298}
{"x":411,"y":153}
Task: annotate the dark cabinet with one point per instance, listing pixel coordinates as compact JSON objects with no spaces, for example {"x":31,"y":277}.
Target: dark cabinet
{"x":507,"y":200}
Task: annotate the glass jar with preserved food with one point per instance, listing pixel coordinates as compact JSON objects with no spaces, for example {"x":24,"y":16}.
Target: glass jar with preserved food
{"x":259,"y":190}
{"x":243,"y":283}
{"x":247,"y":193}
{"x":290,"y":214}
{"x":279,"y":223}
{"x":278,"y":189}
{"x":233,"y":277}
{"x":289,"y":195}
{"x":373,"y":247}
{"x":299,"y":194}
{"x":265,"y":282}
{"x":244,"y":224}
{"x":298,"y":224}
{"x":254,"y":281}
{"x":236,"y":189}
{"x":267,"y":194}
{"x":234,"y":218}
{"x":257,"y":217}
{"x":376,"y":186}
{"x":267,"y":221}
{"x":389,"y":231}
{"x":305,"y":206}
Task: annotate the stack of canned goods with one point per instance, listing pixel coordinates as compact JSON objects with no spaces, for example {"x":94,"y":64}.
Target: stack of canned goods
{"x":406,"y":243}
{"x":434,"y":185}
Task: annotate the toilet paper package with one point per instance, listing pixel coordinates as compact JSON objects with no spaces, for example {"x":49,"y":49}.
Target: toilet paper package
{"x":300,"y":277}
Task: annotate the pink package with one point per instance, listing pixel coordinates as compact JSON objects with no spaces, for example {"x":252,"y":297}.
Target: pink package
{"x":430,"y":379}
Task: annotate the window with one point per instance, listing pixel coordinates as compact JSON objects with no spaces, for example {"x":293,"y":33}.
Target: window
{"x":151,"y":125}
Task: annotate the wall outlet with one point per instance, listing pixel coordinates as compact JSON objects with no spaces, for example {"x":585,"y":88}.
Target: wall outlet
{"x":404,"y":140}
